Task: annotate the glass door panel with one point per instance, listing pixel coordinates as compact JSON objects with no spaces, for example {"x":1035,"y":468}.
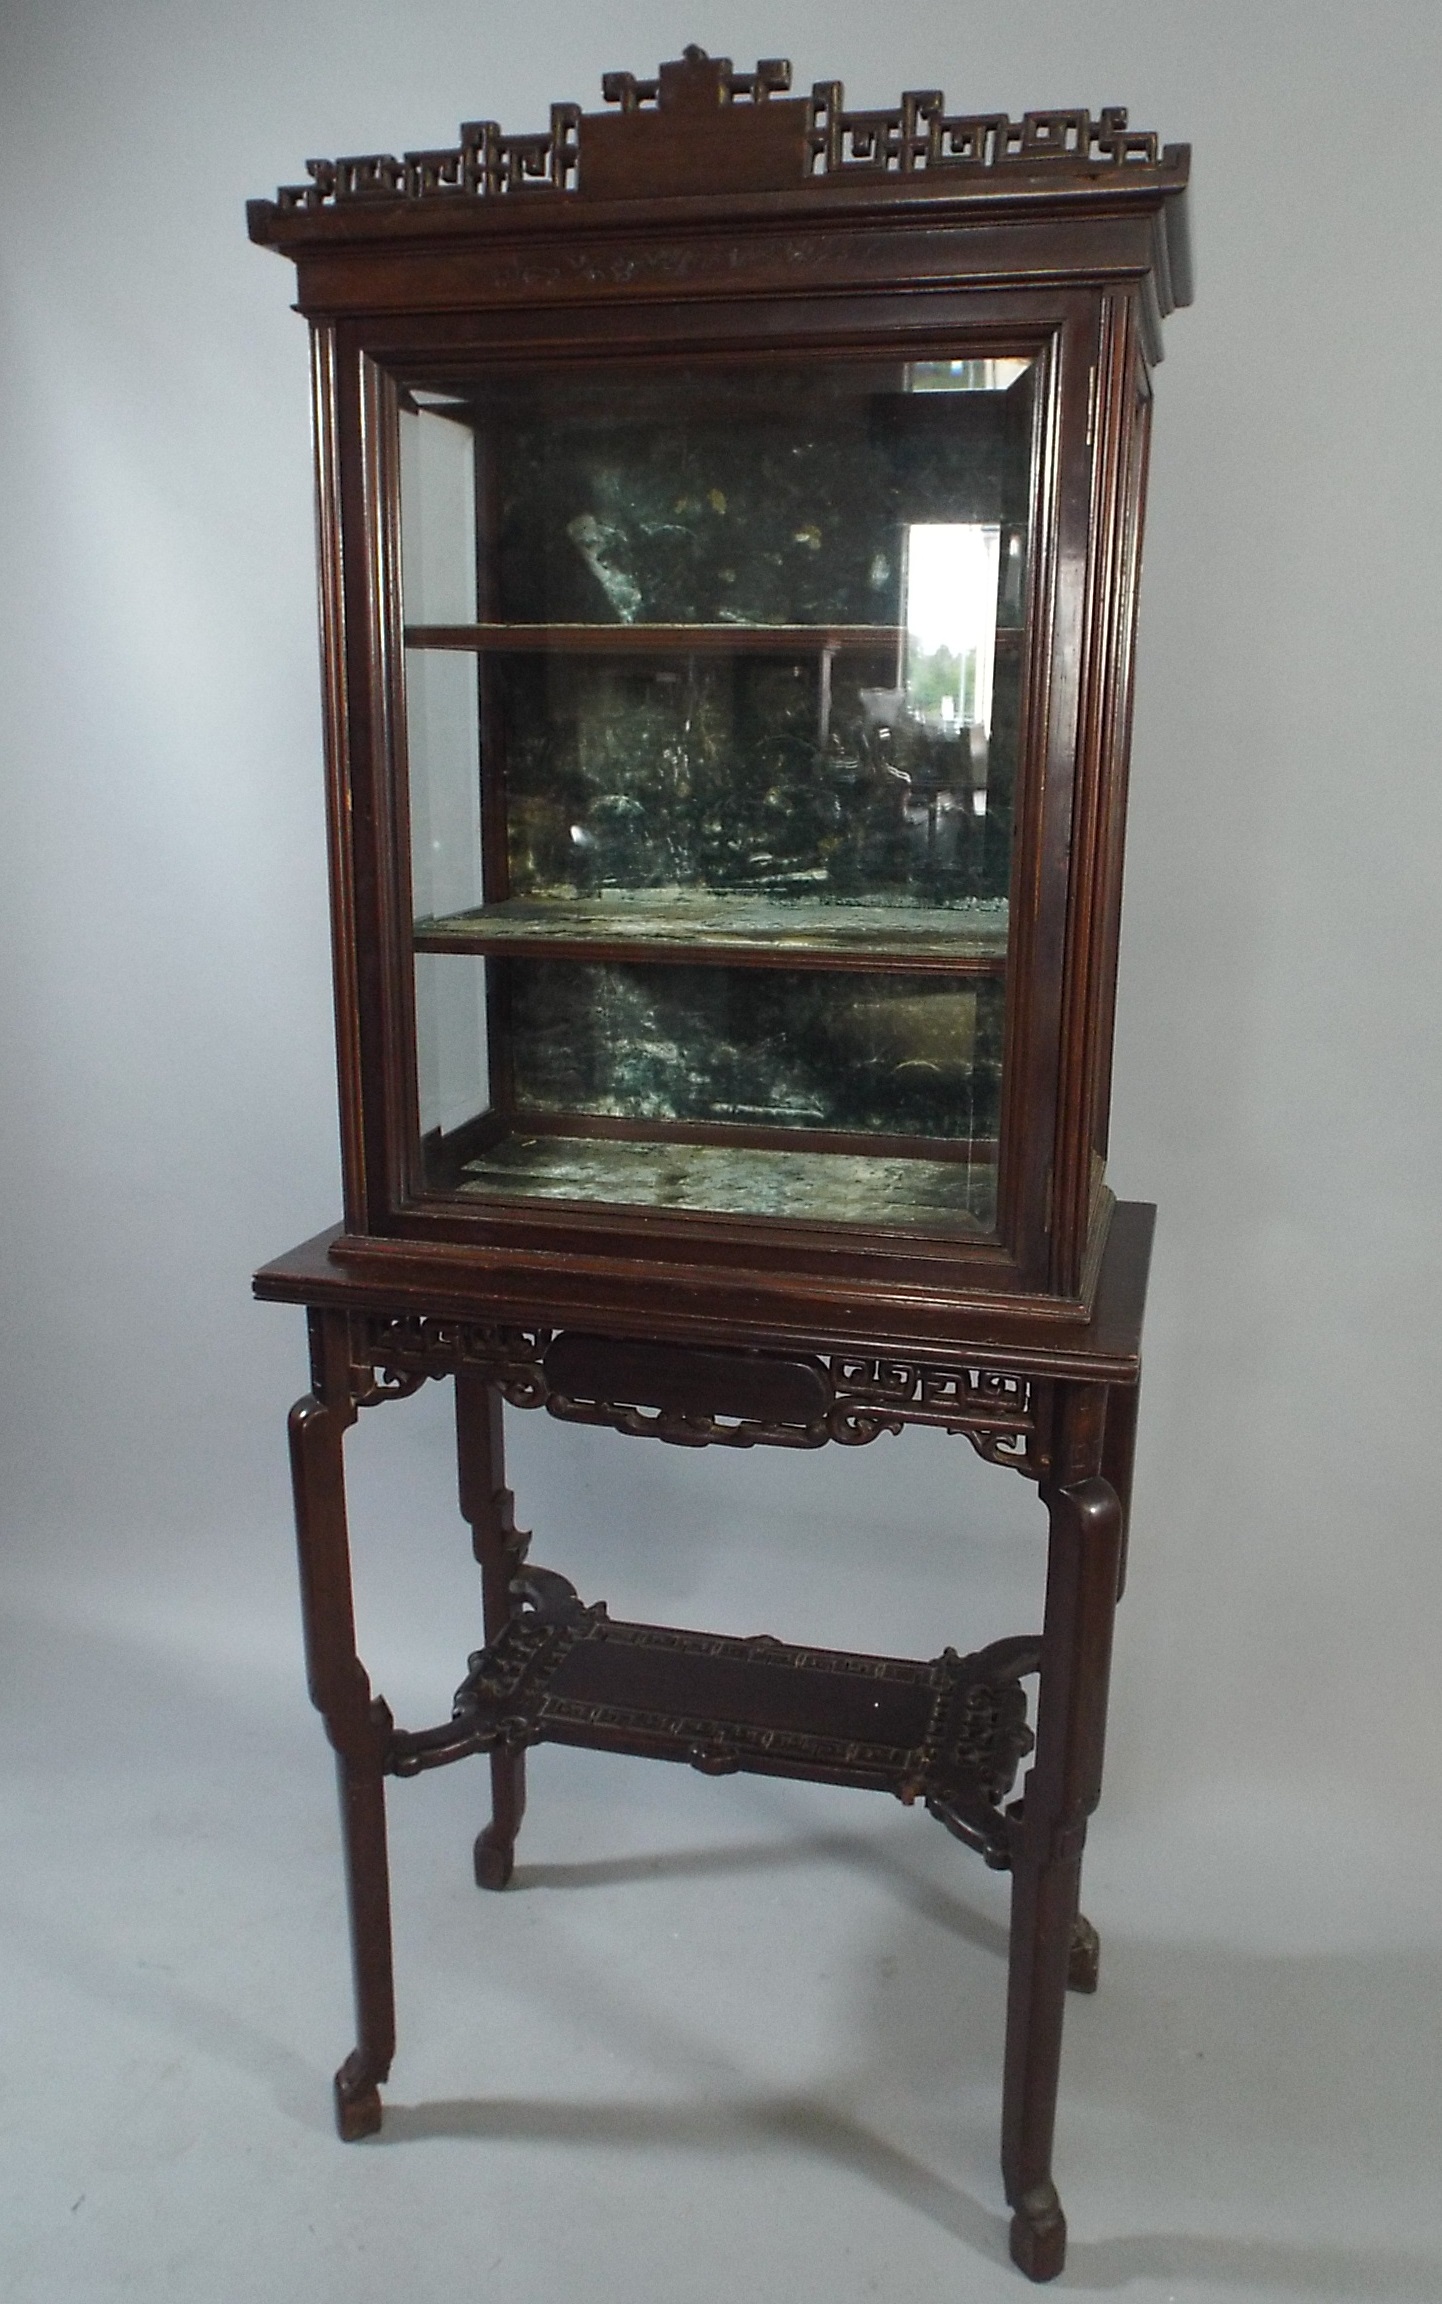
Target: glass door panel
{"x":713,"y":683}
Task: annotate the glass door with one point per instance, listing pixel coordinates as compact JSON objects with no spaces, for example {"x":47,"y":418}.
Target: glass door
{"x":712,"y":691}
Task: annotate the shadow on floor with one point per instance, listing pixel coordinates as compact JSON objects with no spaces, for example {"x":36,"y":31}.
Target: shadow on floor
{"x":858,"y":1851}
{"x":1278,"y":2096}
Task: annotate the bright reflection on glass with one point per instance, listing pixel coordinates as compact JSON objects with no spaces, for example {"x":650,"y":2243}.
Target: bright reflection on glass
{"x":965,"y":375}
{"x":952,"y":573}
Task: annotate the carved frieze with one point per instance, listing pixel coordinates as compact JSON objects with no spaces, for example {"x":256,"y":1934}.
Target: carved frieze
{"x":707,"y":1399}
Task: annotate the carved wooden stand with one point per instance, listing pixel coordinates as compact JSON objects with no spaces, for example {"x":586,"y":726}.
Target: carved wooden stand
{"x":1056,"y":1401}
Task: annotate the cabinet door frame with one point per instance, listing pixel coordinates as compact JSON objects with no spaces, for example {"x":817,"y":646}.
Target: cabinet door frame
{"x":1059,"y":966}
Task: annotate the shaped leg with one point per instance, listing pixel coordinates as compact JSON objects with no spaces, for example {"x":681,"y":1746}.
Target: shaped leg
{"x":1048,"y":1835}
{"x":1119,"y":1448}
{"x":1118,"y":1453}
{"x":363,"y":1822}
{"x":1083,"y":1967}
{"x":358,"y":1728}
{"x":500,"y":1548}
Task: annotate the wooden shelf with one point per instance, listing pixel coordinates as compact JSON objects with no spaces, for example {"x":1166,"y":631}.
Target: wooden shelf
{"x":683,"y":929}
{"x":667,"y":639}
{"x":642,"y":639}
{"x":803,"y":1178}
{"x":951,"y":1731}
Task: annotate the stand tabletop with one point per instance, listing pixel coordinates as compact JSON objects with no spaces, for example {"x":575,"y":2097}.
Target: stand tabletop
{"x":1105,"y":1349}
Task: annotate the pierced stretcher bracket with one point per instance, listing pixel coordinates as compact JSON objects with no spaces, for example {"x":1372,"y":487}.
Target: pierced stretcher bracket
{"x":950,"y":1733}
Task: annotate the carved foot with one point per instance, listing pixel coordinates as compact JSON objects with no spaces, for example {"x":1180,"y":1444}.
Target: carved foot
{"x":1038,"y":2233}
{"x":1084,"y":1959}
{"x":357,"y":2104}
{"x":495,"y":1859}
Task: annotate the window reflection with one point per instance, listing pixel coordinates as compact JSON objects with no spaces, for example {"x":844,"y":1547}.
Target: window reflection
{"x":950,"y":618}
{"x":964,"y":375}
{"x":935,"y":730}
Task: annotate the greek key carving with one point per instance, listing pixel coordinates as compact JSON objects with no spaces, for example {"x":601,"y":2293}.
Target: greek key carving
{"x":995,"y":1409}
{"x":918,"y":137}
{"x":395,"y":1356}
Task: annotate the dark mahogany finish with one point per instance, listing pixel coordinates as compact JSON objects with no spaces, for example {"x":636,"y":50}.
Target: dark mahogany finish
{"x":1056,"y":1401}
{"x":712,"y":218}
{"x":709,"y":217}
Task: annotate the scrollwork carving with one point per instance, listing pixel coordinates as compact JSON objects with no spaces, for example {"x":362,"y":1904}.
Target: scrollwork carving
{"x":950,"y":1733}
{"x":378,"y":1384}
{"x":687,"y":1431}
{"x":995,"y":1409}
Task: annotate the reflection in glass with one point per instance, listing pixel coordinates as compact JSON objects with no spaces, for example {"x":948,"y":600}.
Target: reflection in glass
{"x":934,"y":728}
{"x":442,"y":742}
{"x":452,"y":1054}
{"x":438,"y":506}
{"x":965,"y":375}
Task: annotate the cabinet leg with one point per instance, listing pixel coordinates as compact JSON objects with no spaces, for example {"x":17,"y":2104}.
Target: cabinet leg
{"x":363,"y":1823}
{"x":1083,"y":1966}
{"x":1119,"y":1448}
{"x":359,"y":1727}
{"x":500,"y":1548}
{"x":1043,"y":1899}
{"x":1049,"y":1829}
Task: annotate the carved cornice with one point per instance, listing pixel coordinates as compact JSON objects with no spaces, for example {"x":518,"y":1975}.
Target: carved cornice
{"x":853,"y":1400}
{"x":701,"y":125}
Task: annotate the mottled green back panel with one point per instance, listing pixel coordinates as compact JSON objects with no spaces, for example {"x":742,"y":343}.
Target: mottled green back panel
{"x":775,"y":1048}
{"x":737,"y":497}
{"x":828,"y":769}
{"x":706,"y":772}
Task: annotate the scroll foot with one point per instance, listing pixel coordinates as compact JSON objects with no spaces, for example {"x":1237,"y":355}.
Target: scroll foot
{"x":357,"y":2104}
{"x":495,"y":1859}
{"x":1038,"y":2233}
{"x":1084,"y":1959}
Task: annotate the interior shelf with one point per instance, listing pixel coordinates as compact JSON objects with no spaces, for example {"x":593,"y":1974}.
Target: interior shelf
{"x":633,"y":639}
{"x":943,"y":1196}
{"x":688,"y":925}
{"x":655,"y":639}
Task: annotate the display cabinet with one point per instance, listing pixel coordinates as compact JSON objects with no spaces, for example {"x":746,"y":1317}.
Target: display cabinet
{"x":730,"y":514}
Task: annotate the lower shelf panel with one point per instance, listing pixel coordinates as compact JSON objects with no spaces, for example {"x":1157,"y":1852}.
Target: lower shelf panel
{"x":944,"y":1199}
{"x":950,"y":1732}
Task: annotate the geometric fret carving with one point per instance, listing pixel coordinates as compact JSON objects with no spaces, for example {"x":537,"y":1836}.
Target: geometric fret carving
{"x":700,"y":125}
{"x":921,"y":136}
{"x":700,"y":1399}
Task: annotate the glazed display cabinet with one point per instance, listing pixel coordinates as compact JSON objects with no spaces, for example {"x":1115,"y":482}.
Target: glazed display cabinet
{"x":730,"y":512}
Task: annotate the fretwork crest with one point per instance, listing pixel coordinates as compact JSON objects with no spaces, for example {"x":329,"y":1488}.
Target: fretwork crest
{"x":921,"y":135}
{"x":695,"y":94}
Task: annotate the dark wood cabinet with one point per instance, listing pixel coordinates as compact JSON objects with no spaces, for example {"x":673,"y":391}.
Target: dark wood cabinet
{"x":730,"y":513}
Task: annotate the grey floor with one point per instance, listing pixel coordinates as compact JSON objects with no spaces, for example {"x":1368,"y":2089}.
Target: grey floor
{"x":720,"y":2039}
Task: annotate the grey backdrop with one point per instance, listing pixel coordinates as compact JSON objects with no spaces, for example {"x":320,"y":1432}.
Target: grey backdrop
{"x":169,"y":1108}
